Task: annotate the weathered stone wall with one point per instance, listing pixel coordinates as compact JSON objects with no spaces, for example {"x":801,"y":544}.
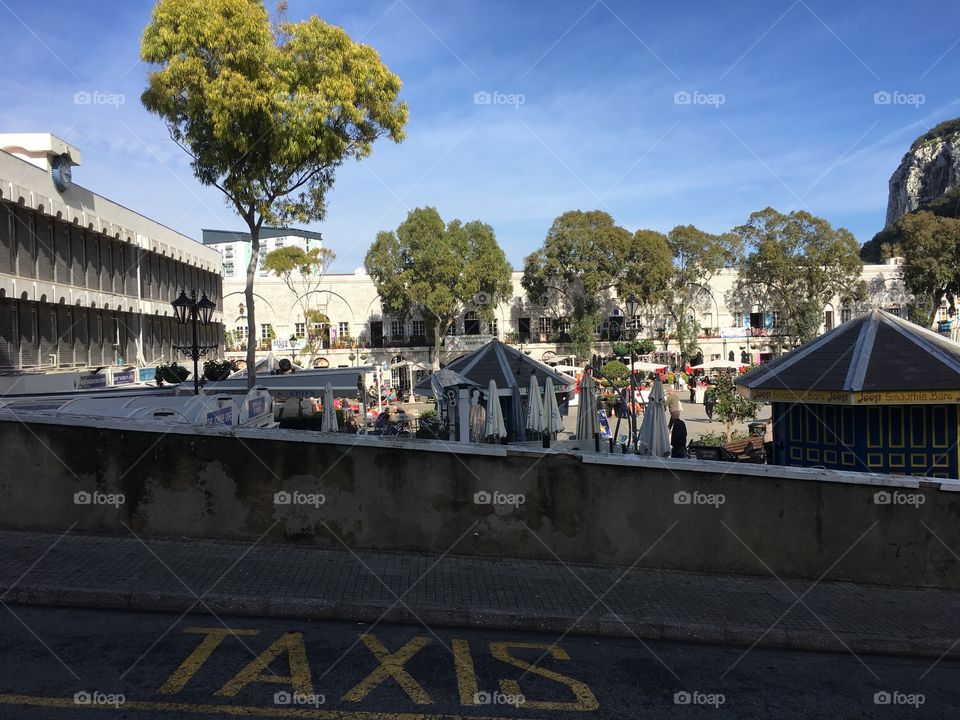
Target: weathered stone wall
{"x":422,"y":496}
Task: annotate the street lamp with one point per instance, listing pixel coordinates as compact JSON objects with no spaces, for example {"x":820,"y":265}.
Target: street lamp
{"x":189,"y":309}
{"x":632,"y":308}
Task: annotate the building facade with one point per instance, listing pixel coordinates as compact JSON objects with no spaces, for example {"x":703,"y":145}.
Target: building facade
{"x":84,"y":281}
{"x":359,"y":327}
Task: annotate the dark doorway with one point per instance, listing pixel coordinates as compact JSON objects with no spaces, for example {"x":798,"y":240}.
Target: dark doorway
{"x":376,"y":334}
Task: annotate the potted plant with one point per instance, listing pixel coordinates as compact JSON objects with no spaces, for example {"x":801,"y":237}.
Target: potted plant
{"x":174,"y":373}
{"x":216,"y":370}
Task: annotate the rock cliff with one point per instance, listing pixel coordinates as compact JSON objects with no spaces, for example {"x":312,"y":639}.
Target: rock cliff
{"x":927,"y":171}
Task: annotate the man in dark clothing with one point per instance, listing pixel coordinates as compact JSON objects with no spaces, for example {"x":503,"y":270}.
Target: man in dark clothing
{"x":678,"y":439}
{"x":709,"y":401}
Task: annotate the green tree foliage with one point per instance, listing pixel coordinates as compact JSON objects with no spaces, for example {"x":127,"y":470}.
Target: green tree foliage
{"x":616,"y":371}
{"x":302,"y":271}
{"x":794,"y":265}
{"x":439,"y":270}
{"x":586,"y":259}
{"x":931,"y":262}
{"x":732,"y":407}
{"x":267,"y":113}
{"x":889,"y":242}
{"x":696,"y":257}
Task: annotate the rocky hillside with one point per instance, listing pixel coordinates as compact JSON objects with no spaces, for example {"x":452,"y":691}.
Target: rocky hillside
{"x":927,"y":171}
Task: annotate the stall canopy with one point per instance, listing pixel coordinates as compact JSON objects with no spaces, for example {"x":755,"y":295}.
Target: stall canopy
{"x":874,"y":353}
{"x":505,"y":365}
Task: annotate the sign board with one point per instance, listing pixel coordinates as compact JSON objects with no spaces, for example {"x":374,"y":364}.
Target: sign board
{"x":223,"y":416}
{"x":91,"y":381}
{"x":839,"y":397}
{"x":123,"y":377}
{"x":257,"y":406}
{"x":147,"y":374}
{"x":465,"y":342}
{"x":277,"y":345}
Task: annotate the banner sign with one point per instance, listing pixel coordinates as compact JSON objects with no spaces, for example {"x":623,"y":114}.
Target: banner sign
{"x":839,"y":397}
{"x":123,"y":377}
{"x":91,"y":382}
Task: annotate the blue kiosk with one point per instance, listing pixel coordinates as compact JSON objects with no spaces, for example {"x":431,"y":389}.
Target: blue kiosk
{"x":876,"y":394}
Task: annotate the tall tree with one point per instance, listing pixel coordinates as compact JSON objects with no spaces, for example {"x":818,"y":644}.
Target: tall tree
{"x":439,"y":270}
{"x":267,"y":113}
{"x":585,"y":259}
{"x":697,"y":257}
{"x":930,"y":245}
{"x":302,"y":271}
{"x":794,"y":265}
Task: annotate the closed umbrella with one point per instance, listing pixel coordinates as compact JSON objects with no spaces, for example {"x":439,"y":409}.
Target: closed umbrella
{"x":536,"y":421}
{"x":328,"y":421}
{"x":587,"y":412}
{"x":495,"y":427}
{"x":553,"y":423}
{"x":518,"y":416}
{"x":654,"y":437}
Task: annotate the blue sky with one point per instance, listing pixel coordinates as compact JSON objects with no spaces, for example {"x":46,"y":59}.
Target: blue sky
{"x":782,"y":110}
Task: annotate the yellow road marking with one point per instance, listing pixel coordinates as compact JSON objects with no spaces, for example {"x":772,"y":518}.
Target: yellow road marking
{"x":188,"y":668}
{"x":235,"y":710}
{"x":586,"y":700}
{"x":466,"y":672}
{"x":299,"y":678}
{"x":391,"y":665}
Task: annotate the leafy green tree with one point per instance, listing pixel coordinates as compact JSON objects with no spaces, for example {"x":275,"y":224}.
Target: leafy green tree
{"x":616,"y":371}
{"x":930,"y":245}
{"x":439,"y":270}
{"x":302,"y":271}
{"x":267,"y":113}
{"x":794,"y":265}
{"x":732,"y":407}
{"x":585,"y":260}
{"x":697,"y":256}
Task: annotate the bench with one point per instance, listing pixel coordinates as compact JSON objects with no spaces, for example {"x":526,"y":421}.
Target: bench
{"x":746,"y":450}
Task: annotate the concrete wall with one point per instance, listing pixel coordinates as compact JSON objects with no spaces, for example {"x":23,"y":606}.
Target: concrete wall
{"x":421,"y":496}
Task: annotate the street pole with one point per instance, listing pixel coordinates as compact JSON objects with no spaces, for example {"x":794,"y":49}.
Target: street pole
{"x":196,"y":350}
{"x":633,"y":402}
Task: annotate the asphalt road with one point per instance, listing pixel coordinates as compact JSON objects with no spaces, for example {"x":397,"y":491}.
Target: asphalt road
{"x":158,"y":666}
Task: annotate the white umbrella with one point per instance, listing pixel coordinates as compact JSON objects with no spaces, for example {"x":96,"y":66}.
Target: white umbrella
{"x":495,"y":426}
{"x":654,"y":437}
{"x":648,"y":367}
{"x":587,"y":413}
{"x":536,"y":421}
{"x":716,"y":364}
{"x":553,"y":423}
{"x":328,"y":421}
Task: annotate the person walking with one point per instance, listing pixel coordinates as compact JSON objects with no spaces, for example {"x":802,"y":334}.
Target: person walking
{"x":709,"y":401}
{"x":678,"y":439}
{"x":673,"y":405}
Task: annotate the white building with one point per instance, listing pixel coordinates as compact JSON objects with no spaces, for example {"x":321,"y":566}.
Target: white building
{"x":234,"y":247}
{"x":85,"y":282}
{"x":359,"y":327}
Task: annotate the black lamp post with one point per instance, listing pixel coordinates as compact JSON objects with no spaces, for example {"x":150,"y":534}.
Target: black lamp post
{"x":189,"y":309}
{"x":633,"y":306}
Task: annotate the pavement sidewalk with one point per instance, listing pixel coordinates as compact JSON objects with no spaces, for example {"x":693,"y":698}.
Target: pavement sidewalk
{"x":272,"y":580}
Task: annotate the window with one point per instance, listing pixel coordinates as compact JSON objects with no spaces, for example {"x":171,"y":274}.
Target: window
{"x":242,"y":331}
{"x":396,"y":328}
{"x":300,"y":330}
{"x":418,"y":327}
{"x":543,"y":326}
{"x":564,"y":325}
{"x":495,"y":327}
{"x":343,"y":329}
{"x":775,"y":319}
{"x":828,"y":320}
{"x":707,"y":323}
{"x":278,"y":244}
{"x":266,"y":332}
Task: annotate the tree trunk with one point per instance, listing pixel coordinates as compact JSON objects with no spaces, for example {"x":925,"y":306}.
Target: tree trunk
{"x":252,"y":340}
{"x":729,"y":430}
{"x":441,"y":330}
